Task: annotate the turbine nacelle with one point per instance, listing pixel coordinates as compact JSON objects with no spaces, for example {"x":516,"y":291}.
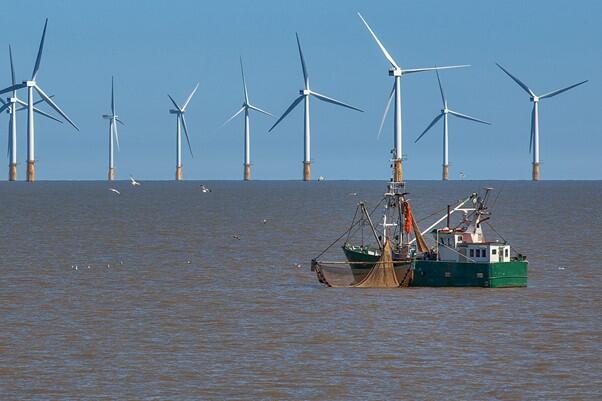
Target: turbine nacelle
{"x":172,"y":111}
{"x":305,"y":92}
{"x":29,"y":84}
{"x":534,"y":99}
{"x":395,"y":72}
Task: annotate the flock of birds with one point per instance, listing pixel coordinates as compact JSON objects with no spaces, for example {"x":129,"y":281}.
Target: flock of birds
{"x":134,"y":183}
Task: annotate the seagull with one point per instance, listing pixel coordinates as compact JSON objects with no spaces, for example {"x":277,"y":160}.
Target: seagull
{"x":204,"y":189}
{"x":298,"y":265}
{"x":321,"y":178}
{"x":114,"y":190}
{"x":134,"y":182}
{"x":352,"y":194}
{"x":265,"y":221}
{"x":236,"y":236}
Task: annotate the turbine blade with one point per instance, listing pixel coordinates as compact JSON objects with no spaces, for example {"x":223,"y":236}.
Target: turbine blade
{"x":429,"y":126}
{"x":532,"y":128}
{"x":119,"y":121}
{"x":382,"y":48}
{"x":4,"y":107}
{"x":334,"y":101}
{"x":233,"y":116}
{"x":260,"y":110}
{"x":12,"y":88}
{"x":441,"y":88}
{"x":382,"y":122}
{"x":40,"y":49}
{"x":10,"y":137}
{"x":467,"y":117}
{"x":305,"y":75}
{"x":244,"y":83}
{"x":37,"y":101}
{"x":558,"y":91}
{"x":290,"y":108}
{"x":24,"y":105}
{"x":2,"y":101}
{"x":186,"y":133}
{"x":36,"y":110}
{"x":174,"y":102}
{"x":112,"y":97}
{"x":447,"y":67}
{"x":190,"y":97}
{"x":12,"y":67}
{"x":54,"y":106}
{"x":518,"y":81}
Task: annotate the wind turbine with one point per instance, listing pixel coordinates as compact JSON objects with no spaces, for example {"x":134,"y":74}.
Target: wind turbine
{"x":305,"y":94}
{"x":444,"y":113}
{"x":181,"y":121}
{"x":396,"y":71}
{"x":534,"y":141}
{"x":113,"y":135}
{"x":246,"y":106}
{"x":31,"y":85}
{"x":11,"y":108}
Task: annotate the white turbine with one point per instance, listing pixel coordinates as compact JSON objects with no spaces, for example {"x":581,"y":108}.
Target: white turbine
{"x":11,"y":108}
{"x":246,"y":106}
{"x":113,"y":135}
{"x":31,"y":85}
{"x":396,"y":71}
{"x":181,"y":121}
{"x":534,"y":140}
{"x":444,"y":113}
{"x":305,"y":94}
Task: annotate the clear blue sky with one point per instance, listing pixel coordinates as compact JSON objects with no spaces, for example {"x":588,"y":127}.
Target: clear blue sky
{"x":159,"y":47}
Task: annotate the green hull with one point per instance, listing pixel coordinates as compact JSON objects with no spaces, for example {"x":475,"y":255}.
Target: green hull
{"x":430,"y":273}
{"x":358,"y":254}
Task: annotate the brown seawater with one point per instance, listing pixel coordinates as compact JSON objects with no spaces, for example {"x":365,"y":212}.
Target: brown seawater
{"x":186,"y":311}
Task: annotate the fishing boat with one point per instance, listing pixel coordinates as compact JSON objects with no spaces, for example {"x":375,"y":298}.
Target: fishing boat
{"x":460,"y":257}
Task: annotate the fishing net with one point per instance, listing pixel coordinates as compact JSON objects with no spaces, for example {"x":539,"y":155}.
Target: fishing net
{"x":385,"y":273}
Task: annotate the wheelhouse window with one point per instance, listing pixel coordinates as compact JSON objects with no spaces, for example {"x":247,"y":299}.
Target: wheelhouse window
{"x":477,"y":253}
{"x":506,"y":252}
{"x":494,"y":251}
{"x":484,"y":253}
{"x":472,"y":253}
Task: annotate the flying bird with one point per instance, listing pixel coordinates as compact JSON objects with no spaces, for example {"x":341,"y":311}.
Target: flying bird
{"x":114,"y":190}
{"x":134,"y":182}
{"x":236,"y":236}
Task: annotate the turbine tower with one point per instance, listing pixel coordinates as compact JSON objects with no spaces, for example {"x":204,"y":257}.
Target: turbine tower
{"x":305,"y":94}
{"x":445,"y":111}
{"x":11,"y":108}
{"x":534,"y":141}
{"x":246,"y":106}
{"x":31,"y":85}
{"x":113,"y":135}
{"x":396,"y":72}
{"x":181,"y":121}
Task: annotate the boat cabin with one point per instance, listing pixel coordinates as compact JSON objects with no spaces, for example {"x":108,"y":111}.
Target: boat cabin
{"x":460,"y":246}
